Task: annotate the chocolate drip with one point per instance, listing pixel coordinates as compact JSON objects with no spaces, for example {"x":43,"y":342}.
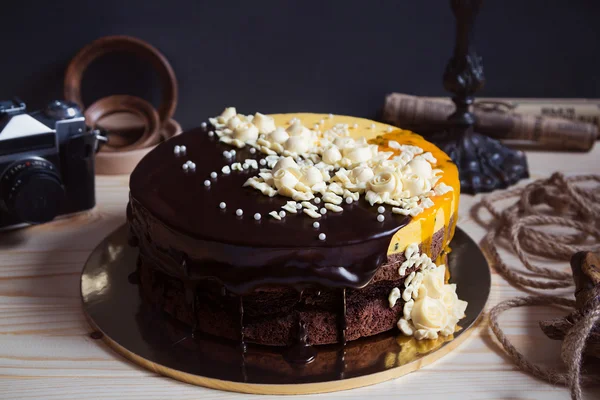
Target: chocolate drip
{"x":190,"y":298}
{"x":343,"y":325}
{"x":243,"y":345}
{"x":343,"y":319}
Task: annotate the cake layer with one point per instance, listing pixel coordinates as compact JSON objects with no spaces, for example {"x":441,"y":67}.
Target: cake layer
{"x":272,"y":314}
{"x":194,"y":238}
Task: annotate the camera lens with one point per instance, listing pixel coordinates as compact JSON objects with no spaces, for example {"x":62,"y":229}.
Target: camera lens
{"x":62,"y":109}
{"x":32,"y":190}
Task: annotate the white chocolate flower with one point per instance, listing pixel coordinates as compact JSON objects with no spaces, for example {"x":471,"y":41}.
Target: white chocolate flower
{"x":385,"y":182}
{"x":358,"y":155}
{"x":360,"y":174}
{"x":429,"y":314}
{"x":388,"y":165}
{"x":246,"y":132}
{"x":297,"y":129}
{"x":310,"y":176}
{"x":228,"y":113}
{"x":284,"y":178}
{"x":233,"y":122}
{"x":420,"y":167}
{"x":433,"y":283}
{"x":296,"y":144}
{"x":415,"y":185}
{"x":332,"y":155}
{"x":279,"y":135}
{"x":285,"y":163}
{"x":344,"y":142}
{"x":449,"y":298}
{"x":264,"y":123}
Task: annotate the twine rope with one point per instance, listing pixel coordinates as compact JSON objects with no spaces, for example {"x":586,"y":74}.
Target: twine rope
{"x":556,"y":201}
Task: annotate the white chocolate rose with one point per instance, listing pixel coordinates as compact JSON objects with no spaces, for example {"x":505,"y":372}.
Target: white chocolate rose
{"x":297,"y":129}
{"x":310,"y":176}
{"x":284,"y":179}
{"x":388,"y":165}
{"x":420,"y":167}
{"x":358,"y":155}
{"x":414,"y":184}
{"x":385,"y":182}
{"x":429,"y":314}
{"x":449,"y":298}
{"x":279,"y":135}
{"x":296,"y":144}
{"x":246,"y":132}
{"x":233,"y":122}
{"x":332,"y":155}
{"x":285,"y":163}
{"x":344,"y":142}
{"x":228,"y":113}
{"x":433,"y":283}
{"x":360,"y":174}
{"x":264,"y":123}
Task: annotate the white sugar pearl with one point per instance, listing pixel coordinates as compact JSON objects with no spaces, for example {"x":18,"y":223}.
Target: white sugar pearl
{"x":176,"y":149}
{"x":372,"y":126}
{"x":349,"y":200}
{"x":299,"y":206}
{"x":183,"y":149}
{"x":226,"y":154}
{"x":239,"y":212}
{"x":282,"y":214}
{"x":330,"y":116}
{"x":316,"y":126}
{"x":213,"y":175}
{"x":317,"y":200}
{"x":323,"y":211}
{"x":381,"y":209}
{"x":245,"y":166}
{"x":252,"y":150}
{"x":389,"y":129}
{"x":192,"y":165}
{"x":211,"y":134}
{"x":355,"y":126}
{"x":322,"y":236}
{"x":316,"y":225}
{"x":262,"y":161}
{"x":203,"y":125}
{"x":222,"y":205}
{"x":257,"y":216}
{"x":380,"y":217}
{"x":232,"y":152}
{"x":185,"y":166}
{"x":207,"y":183}
{"x":322,"y":121}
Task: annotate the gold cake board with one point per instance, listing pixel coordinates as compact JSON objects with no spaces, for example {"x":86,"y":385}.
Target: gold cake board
{"x":156,"y":342}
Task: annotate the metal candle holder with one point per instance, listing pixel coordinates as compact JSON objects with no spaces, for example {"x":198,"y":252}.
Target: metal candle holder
{"x":484,"y":164}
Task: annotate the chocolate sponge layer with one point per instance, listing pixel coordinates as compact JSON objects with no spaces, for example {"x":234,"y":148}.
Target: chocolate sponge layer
{"x":272,"y":314}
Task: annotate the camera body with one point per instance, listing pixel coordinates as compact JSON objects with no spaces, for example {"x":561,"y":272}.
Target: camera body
{"x":46,"y":163}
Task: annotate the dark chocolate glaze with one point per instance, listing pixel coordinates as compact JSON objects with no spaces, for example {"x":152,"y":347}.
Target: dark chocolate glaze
{"x":182,"y":220}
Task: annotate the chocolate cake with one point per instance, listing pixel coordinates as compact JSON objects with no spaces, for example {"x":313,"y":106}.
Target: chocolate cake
{"x":290,"y":230}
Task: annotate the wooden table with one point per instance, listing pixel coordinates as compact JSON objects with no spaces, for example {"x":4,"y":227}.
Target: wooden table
{"x":46,"y":352}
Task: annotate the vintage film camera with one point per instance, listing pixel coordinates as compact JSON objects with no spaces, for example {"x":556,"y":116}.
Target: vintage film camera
{"x":46,"y":163}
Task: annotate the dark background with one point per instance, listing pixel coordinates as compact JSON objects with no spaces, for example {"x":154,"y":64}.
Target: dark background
{"x":338,"y":56}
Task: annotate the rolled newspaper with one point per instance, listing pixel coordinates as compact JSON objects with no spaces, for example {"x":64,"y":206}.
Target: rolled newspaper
{"x":493,"y":120}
